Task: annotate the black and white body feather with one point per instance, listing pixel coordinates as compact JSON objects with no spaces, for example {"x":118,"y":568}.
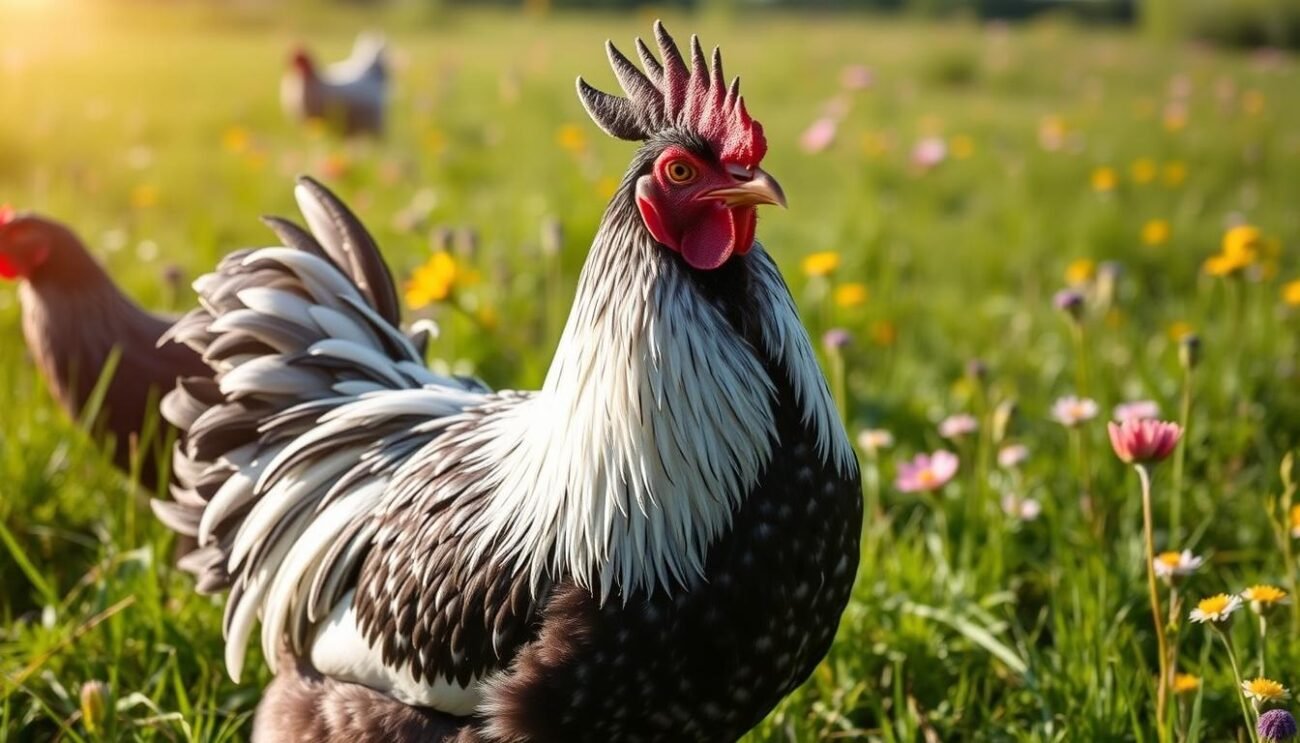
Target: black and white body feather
{"x":656,"y":545}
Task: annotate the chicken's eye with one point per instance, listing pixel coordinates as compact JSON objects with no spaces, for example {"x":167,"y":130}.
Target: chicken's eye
{"x":680,"y":171}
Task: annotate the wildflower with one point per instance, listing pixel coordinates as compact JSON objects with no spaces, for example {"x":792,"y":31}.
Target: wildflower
{"x":1012,"y":456}
{"x":1172,"y":565}
{"x":819,"y":135}
{"x":851,"y":294}
{"x":1290,"y":291}
{"x":962,"y":146}
{"x":957,"y":426}
{"x":821,"y":264}
{"x":1143,"y":170}
{"x":1023,"y":509}
{"x":1263,"y":597}
{"x":1185,"y":683}
{"x":1216,"y":609}
{"x":856,"y":77}
{"x":1070,"y":302}
{"x":144,"y":196}
{"x":1070,"y":411}
{"x":1173,"y":173}
{"x":235,"y":140}
{"x":875,"y":439}
{"x":1080,"y":272}
{"x":1293,"y":519}
{"x":929,"y":152}
{"x":1243,"y":243}
{"x":836,"y":339}
{"x":1276,"y":726}
{"x":926,"y":472}
{"x":94,"y":704}
{"x":433,"y":281}
{"x":572,"y":138}
{"x":1137,"y":410}
{"x":1144,"y":441}
{"x":1104,"y":179}
{"x":1156,"y":232}
{"x":884,"y":333}
{"x":1261,"y":690}
{"x":1179,"y":329}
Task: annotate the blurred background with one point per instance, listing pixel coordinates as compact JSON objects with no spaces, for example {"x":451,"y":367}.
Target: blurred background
{"x":950,"y":166}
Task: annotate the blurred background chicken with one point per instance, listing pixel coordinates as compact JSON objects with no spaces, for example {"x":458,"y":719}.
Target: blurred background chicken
{"x":349,"y":96}
{"x":74,"y":317}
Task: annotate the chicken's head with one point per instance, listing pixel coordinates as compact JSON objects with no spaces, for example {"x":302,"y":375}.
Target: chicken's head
{"x":27,"y":242}
{"x":301,"y":61}
{"x":699,"y":181}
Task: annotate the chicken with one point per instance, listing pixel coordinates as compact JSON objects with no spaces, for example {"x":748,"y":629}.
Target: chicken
{"x":73,"y":318}
{"x":657,"y":545}
{"x":350,"y":96}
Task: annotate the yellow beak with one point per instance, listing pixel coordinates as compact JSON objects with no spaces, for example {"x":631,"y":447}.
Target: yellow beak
{"x":759,"y":189}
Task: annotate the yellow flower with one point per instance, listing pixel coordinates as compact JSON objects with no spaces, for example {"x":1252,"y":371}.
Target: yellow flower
{"x":1180,"y":330}
{"x":851,"y":294}
{"x":1263,"y":597}
{"x":1174,"y":173}
{"x":1294,"y":518}
{"x":821,"y":264}
{"x":572,"y":138}
{"x":433,"y":281}
{"x":1218,"y":608}
{"x":1143,"y":170}
{"x":1252,"y":102}
{"x":1262,"y":690}
{"x":1185,"y":683}
{"x":1080,"y":271}
{"x":235,"y":140}
{"x":1222,"y":265}
{"x":1291,"y":293}
{"x":1104,"y":179}
{"x":1156,"y":232}
{"x":961,"y":146}
{"x":1243,"y":243}
{"x":144,"y":196}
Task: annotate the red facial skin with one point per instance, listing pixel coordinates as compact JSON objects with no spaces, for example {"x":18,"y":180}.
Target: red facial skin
{"x":301,"y":62}
{"x":23,"y":248}
{"x":684,"y":216}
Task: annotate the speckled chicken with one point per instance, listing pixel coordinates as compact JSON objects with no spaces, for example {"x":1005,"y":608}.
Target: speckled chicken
{"x":657,"y":545}
{"x":350,"y":96}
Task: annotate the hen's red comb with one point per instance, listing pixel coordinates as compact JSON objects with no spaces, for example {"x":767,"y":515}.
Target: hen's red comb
{"x":668,"y":95}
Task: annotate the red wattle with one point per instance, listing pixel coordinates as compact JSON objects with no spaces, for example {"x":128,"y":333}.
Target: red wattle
{"x":7,"y":268}
{"x":745,"y":219}
{"x":710,"y":241}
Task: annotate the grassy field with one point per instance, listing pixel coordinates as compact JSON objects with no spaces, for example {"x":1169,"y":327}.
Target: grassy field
{"x":980,"y":171}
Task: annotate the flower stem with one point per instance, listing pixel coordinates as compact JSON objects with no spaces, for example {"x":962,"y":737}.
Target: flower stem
{"x":1157,"y":617}
{"x":1236,"y":675}
{"x":1263,"y":639}
{"x":1180,"y":457}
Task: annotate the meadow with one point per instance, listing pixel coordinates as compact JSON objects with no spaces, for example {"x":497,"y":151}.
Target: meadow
{"x":946,"y":183}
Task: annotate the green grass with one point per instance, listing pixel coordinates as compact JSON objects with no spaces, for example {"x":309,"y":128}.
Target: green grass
{"x":965,"y":624}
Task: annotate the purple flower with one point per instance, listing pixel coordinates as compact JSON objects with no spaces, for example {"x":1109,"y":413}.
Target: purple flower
{"x":1275,"y":726}
{"x":1137,"y":410}
{"x":926,"y":472}
{"x":1069,"y":301}
{"x":957,"y":426}
{"x":836,"y":339}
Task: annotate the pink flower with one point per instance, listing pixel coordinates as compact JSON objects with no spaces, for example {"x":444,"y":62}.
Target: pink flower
{"x":1024,"y":509}
{"x":1144,"y":441}
{"x":1012,"y":455}
{"x":926,"y":472}
{"x":929,"y":152}
{"x":818,"y":136}
{"x":956,"y":426}
{"x":1071,"y":411}
{"x":1137,"y":410}
{"x":856,"y":77}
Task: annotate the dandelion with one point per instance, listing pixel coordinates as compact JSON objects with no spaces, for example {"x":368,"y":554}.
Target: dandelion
{"x":1264,"y":690}
{"x":1290,"y":292}
{"x":956,"y":426}
{"x":819,"y":135}
{"x":1156,"y":232}
{"x":1143,"y":170}
{"x":1215,"y":609}
{"x":1276,"y":726}
{"x":1080,"y":271}
{"x":875,"y":439}
{"x":1186,"y":683}
{"x":1012,"y":456}
{"x":1293,"y":518}
{"x":1262,"y":598}
{"x":1104,"y":179}
{"x":1136,"y":410}
{"x":1071,"y":411}
{"x":852,"y":294}
{"x":822,"y":264}
{"x":926,"y":472}
{"x":1243,"y":243}
{"x":433,"y":281}
{"x":1171,"y":565}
